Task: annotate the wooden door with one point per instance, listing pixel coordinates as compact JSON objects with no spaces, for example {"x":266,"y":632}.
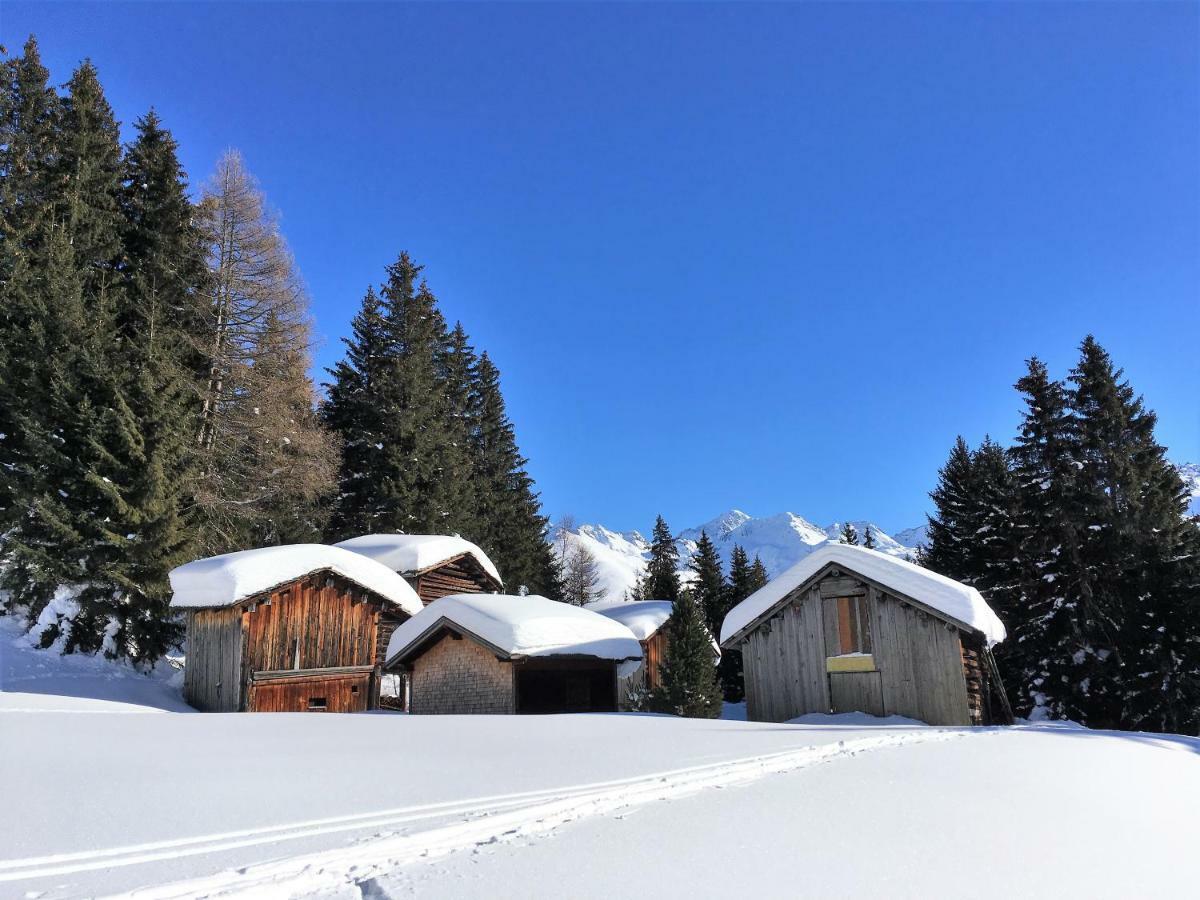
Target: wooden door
{"x":856,"y":692}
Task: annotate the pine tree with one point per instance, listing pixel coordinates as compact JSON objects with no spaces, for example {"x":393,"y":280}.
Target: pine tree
{"x":689,"y":685}
{"x":849,"y":534}
{"x":869,"y":539}
{"x":709,"y":588}
{"x":758,"y":575}
{"x":512,"y":528}
{"x":30,"y":132}
{"x":662,"y":571}
{"x":1134,"y":544}
{"x":743,"y":581}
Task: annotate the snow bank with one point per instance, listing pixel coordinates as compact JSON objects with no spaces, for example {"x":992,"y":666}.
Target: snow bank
{"x":417,"y":552}
{"x":522,"y":626}
{"x":233,"y":577}
{"x":643,"y":617}
{"x":943,"y":594}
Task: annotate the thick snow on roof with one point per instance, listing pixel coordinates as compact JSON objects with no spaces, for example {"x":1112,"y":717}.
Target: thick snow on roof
{"x":642,"y":617}
{"x":522,"y":626}
{"x":943,"y":594}
{"x":417,"y":552}
{"x":232,"y":577}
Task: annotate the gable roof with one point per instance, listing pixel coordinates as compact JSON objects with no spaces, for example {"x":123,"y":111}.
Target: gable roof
{"x":412,"y":554}
{"x":957,"y":601}
{"x":516,"y":627}
{"x":233,"y":577}
{"x":642,"y":617}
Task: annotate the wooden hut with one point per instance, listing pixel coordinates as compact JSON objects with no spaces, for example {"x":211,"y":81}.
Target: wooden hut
{"x":850,"y":629}
{"x":475,"y":653}
{"x":647,"y":619}
{"x":286,"y":629}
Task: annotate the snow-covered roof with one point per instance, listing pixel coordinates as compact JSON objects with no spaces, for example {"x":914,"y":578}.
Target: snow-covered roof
{"x":520,"y":627}
{"x":409,"y":553}
{"x":954,"y":599}
{"x":642,"y":617}
{"x":233,"y":577}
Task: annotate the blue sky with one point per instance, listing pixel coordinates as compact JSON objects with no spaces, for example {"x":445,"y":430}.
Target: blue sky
{"x":773,"y":257}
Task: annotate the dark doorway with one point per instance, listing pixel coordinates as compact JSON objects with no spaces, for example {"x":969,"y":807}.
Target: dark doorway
{"x":566,"y":686}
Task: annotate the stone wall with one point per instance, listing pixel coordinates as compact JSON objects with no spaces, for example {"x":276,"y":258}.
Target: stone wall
{"x":459,"y":676}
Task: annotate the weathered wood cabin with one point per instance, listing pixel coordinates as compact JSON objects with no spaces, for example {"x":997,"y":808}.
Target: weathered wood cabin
{"x":647,"y":619}
{"x":436,"y":565}
{"x":849,"y":629}
{"x":475,"y":653}
{"x":286,"y":629}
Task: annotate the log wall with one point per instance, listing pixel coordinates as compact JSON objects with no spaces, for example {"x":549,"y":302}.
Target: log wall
{"x":457,"y":576}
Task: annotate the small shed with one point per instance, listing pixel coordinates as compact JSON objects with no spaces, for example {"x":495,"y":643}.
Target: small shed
{"x":286,"y":629}
{"x":647,"y":620}
{"x":850,"y":629}
{"x":481,"y":653}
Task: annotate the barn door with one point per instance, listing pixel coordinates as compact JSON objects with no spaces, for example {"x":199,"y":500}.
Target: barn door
{"x":856,"y":692}
{"x":855,"y":683}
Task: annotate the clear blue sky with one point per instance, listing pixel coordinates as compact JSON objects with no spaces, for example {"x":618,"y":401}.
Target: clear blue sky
{"x":773,"y":257}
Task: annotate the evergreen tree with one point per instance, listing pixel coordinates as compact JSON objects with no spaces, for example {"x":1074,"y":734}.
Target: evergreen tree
{"x":849,"y":534}
{"x":689,"y":684}
{"x":742,"y":583}
{"x":512,"y":528}
{"x":662,"y":571}
{"x":869,"y":539}
{"x":459,"y":372}
{"x":758,"y":575}
{"x":709,"y":588}
{"x":30,"y":132}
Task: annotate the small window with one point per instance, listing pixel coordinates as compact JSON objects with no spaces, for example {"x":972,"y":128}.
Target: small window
{"x":317,"y":703}
{"x":854,"y":625}
{"x":354,"y":688}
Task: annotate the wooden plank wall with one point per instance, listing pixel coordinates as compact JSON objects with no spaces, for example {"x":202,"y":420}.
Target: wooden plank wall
{"x":318,"y":616}
{"x":212,"y":676}
{"x":917,"y":655}
{"x":784,"y":664}
{"x":920,"y":658}
{"x":654,"y":651}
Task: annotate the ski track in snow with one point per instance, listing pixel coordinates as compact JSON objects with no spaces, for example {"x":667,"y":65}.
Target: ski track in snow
{"x":472,"y":822}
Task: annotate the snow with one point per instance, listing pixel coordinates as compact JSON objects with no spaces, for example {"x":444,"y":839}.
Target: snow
{"x":408,"y":553}
{"x":943,"y":594}
{"x":643,"y":617}
{"x":522,"y":626}
{"x":1190,"y":473}
{"x":233,"y":577}
{"x":577,"y":806}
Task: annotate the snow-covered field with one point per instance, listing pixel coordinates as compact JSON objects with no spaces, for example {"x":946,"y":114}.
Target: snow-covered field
{"x":108,"y":789}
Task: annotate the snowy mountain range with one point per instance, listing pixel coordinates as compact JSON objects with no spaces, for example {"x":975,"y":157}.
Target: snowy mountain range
{"x":780,"y":541}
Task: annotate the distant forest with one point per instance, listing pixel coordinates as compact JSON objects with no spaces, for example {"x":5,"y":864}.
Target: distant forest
{"x":155,"y":402}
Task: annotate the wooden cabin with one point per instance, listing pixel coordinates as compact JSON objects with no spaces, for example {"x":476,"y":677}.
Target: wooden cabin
{"x":497,"y":654}
{"x":849,"y":629}
{"x":647,"y":619}
{"x":286,"y":629}
{"x":435,"y":565}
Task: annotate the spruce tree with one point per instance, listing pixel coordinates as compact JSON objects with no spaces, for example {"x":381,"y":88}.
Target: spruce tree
{"x":869,"y":538}
{"x":709,"y":588}
{"x":758,"y":575}
{"x":662,"y":571}
{"x":849,"y":534}
{"x":742,"y":583}
{"x":689,"y":685}
{"x":512,"y":527}
{"x":459,"y":371}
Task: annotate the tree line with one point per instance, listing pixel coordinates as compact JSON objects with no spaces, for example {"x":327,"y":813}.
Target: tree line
{"x":155,"y":402}
{"x":1078,"y":536}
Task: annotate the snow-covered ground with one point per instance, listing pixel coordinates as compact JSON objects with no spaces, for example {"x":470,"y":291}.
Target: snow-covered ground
{"x":99,"y":799}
